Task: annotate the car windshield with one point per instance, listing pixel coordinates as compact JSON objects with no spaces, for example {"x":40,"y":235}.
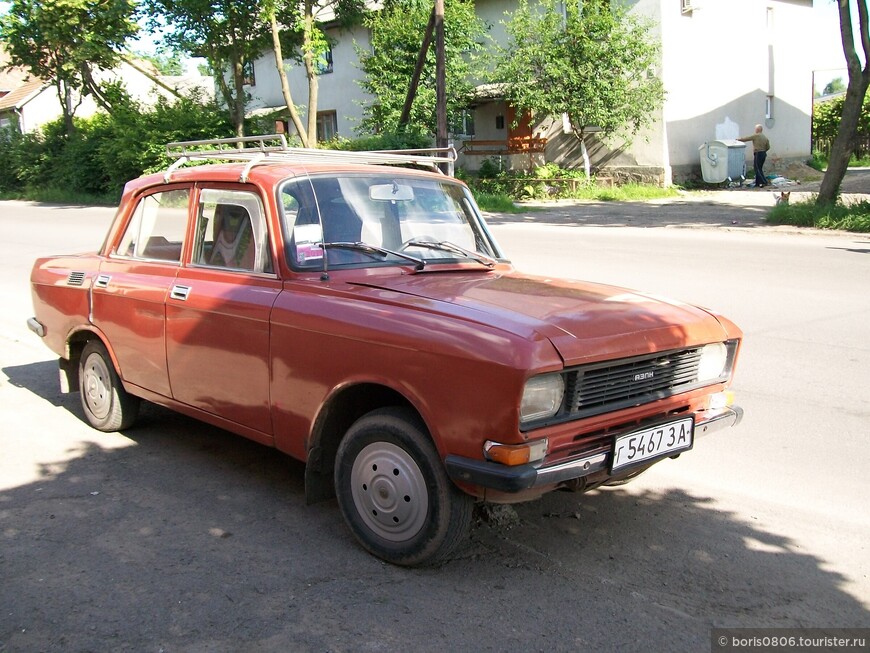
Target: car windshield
{"x":391,"y":218}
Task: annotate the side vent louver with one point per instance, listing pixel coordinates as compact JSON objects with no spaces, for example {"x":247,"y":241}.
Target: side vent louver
{"x":75,"y":279}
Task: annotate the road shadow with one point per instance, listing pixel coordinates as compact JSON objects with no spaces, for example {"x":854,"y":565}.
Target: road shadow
{"x":41,"y":379}
{"x":858,"y":249}
{"x":639,"y":214}
{"x":191,"y":539}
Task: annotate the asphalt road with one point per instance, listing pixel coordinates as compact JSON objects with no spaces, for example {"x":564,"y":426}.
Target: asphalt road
{"x":175,"y":536}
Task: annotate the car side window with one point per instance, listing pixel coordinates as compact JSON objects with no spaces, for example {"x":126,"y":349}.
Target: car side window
{"x":231,"y":232}
{"x":156,"y":230}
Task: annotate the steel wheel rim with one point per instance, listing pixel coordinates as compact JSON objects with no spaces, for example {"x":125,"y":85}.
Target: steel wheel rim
{"x":97,"y":386}
{"x":389,"y":491}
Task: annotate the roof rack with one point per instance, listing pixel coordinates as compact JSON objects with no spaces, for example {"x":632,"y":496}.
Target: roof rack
{"x":273,"y":149}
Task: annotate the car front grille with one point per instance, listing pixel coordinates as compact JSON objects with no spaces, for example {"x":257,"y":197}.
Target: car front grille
{"x":614,"y":385}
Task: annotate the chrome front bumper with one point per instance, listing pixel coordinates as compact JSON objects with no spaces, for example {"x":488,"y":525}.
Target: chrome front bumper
{"x":36,"y":326}
{"x":523,"y":477}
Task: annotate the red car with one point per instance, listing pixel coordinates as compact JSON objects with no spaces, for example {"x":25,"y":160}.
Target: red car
{"x":357,"y":315}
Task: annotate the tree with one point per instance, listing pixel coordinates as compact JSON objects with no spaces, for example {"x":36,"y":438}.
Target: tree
{"x":297,"y":27}
{"x":859,"y":79}
{"x":64,"y":41}
{"x":397,"y":31}
{"x":836,"y":85}
{"x":229,"y":34}
{"x":166,"y":63}
{"x":585,"y":60}
{"x":270,"y":14}
{"x":826,"y":124}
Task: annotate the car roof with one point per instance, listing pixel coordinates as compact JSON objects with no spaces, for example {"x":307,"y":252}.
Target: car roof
{"x":272,"y":173}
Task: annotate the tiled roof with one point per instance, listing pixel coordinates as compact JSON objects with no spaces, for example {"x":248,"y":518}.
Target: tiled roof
{"x":19,"y":96}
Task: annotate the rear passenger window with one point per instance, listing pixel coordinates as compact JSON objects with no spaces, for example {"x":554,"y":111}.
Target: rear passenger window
{"x":156,"y":230}
{"x":231,"y":232}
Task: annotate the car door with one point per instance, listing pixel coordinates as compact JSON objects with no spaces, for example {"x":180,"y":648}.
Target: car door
{"x":218,"y":309}
{"x":128,"y":296}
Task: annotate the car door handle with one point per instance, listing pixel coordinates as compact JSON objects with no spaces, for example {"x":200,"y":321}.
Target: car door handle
{"x":179,"y":292}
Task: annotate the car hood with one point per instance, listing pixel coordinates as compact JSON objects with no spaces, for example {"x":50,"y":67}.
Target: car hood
{"x":584,"y":321}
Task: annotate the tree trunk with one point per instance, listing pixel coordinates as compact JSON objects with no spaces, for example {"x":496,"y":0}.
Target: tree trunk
{"x":844,"y":143}
{"x":859,"y":79}
{"x":285,"y":85}
{"x":311,"y":73}
{"x":64,"y":96}
{"x":238,"y":111}
{"x":587,"y":166}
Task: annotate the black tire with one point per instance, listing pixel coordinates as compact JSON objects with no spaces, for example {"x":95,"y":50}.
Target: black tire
{"x":394,"y":493}
{"x":107,"y":406}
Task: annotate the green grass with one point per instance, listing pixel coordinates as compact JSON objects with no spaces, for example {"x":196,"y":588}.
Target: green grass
{"x":852,"y":216}
{"x":820,"y":161}
{"x":627,"y":193}
{"x":60,"y":196}
{"x":503,"y":203}
{"x":496,"y":203}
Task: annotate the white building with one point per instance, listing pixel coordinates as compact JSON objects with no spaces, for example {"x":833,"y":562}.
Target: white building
{"x":30,"y":103}
{"x":726,"y":66}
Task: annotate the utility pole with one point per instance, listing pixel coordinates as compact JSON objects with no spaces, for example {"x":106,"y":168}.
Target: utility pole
{"x":434,"y":28}
{"x":440,"y":78}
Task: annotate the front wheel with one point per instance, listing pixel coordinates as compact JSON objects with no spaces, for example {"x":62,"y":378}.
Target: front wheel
{"x":108,"y":407}
{"x":394,"y":493}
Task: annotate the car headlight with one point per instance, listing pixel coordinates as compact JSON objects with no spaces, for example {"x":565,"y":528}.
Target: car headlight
{"x":714,"y":362}
{"x":542,"y":397}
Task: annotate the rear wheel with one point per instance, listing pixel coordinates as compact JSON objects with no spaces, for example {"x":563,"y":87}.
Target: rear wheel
{"x":394,"y":493}
{"x":107,"y":406}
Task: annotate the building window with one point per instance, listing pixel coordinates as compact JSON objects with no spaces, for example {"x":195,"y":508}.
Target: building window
{"x":768,"y":107}
{"x":463,"y":123}
{"x":248,"y":77}
{"x":323,"y":64}
{"x":327,"y":125}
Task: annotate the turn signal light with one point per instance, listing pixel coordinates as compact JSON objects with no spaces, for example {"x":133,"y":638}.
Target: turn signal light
{"x":515,"y":454}
{"x":721,"y":399}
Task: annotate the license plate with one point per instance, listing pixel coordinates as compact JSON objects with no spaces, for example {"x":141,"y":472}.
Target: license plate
{"x":654,"y":442}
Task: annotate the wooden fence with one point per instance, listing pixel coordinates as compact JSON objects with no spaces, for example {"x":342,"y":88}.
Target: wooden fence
{"x":861,"y":149}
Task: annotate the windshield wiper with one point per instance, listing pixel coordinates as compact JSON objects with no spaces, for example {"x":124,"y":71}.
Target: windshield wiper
{"x":372,"y":250}
{"x":446,"y":246}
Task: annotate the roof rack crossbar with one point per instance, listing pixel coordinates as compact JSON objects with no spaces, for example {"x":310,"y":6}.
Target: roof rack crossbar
{"x":256,"y":150}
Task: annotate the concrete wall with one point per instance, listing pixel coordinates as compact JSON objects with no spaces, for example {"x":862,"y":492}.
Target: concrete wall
{"x":338,"y":91}
{"x":723,"y":64}
{"x":734,"y":56}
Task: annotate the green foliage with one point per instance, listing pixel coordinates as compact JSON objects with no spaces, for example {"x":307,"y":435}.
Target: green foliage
{"x":166,"y":62}
{"x":397,"y":33}
{"x":549,"y":182}
{"x":836,"y":85}
{"x":406,"y":140}
{"x":65,"y":40}
{"x":592,"y":64}
{"x":826,"y":121}
{"x":228,"y":33}
{"x":496,"y":203}
{"x":852,"y":216}
{"x":105,"y":151}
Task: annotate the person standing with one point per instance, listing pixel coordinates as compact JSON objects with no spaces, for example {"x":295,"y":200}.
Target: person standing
{"x":760,"y":146}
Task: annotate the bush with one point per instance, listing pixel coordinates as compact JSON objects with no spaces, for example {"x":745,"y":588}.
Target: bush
{"x":105,"y":151}
{"x":406,"y":140}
